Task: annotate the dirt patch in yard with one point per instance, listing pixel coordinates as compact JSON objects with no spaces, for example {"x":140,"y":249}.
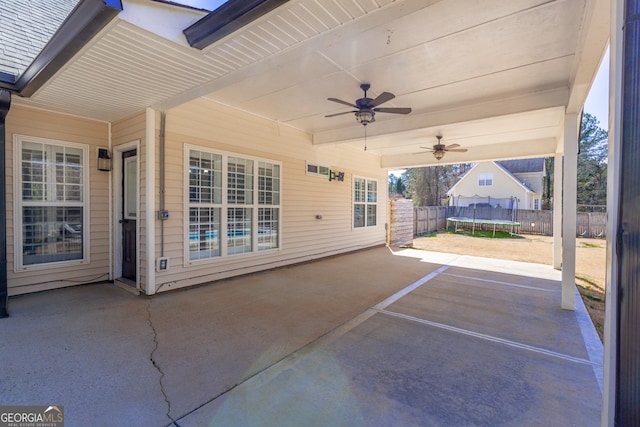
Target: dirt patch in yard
{"x":590,"y":260}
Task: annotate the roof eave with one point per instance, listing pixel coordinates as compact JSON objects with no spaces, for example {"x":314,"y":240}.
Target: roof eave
{"x":82,"y":24}
{"x":226,"y":19}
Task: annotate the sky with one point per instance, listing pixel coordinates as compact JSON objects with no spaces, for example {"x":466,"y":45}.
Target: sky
{"x":201,"y":4}
{"x":597,"y":103}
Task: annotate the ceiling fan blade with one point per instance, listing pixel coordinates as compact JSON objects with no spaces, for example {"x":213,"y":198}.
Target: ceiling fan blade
{"x":339,"y":101}
{"x":382,"y":98}
{"x":339,"y":114}
{"x":457,"y":150}
{"x":452,"y":146}
{"x":393,"y":110}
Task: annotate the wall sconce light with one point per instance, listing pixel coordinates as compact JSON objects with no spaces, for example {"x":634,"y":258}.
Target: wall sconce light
{"x":338,"y":176}
{"x":104,"y":159}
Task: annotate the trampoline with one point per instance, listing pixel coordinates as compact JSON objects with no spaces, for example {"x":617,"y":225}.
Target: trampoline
{"x":474,"y":221}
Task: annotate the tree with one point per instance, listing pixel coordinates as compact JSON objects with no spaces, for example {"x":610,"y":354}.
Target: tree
{"x":427,"y":186}
{"x":592,"y":162}
{"x":547,"y":192}
{"x":400,"y":187}
{"x":396,"y":185}
{"x":392,"y":184}
{"x":592,"y":166}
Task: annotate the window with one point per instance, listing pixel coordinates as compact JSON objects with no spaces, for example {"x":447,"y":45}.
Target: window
{"x":205,"y":204}
{"x":318,"y":170}
{"x":536,"y":204}
{"x":365,"y":202}
{"x":51,"y":193}
{"x":234,"y":204}
{"x":485,"y":179}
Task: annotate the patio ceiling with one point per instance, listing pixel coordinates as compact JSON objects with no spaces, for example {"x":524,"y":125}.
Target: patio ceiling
{"x":493,"y":76}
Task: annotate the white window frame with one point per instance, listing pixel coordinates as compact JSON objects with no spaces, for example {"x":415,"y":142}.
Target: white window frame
{"x":18,"y":204}
{"x":321,"y":170}
{"x":366,"y":202}
{"x":225,"y":205}
{"x":483,"y":177}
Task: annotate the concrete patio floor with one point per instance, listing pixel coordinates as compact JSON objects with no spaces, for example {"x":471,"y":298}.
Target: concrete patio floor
{"x":375,"y":337}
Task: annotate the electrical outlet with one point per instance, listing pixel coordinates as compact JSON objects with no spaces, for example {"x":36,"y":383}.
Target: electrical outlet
{"x":162,"y":264}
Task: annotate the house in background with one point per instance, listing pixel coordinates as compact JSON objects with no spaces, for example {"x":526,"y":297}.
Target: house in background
{"x":511,"y":184}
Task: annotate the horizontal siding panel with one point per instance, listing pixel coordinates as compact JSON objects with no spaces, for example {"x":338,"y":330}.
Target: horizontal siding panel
{"x":44,"y":124}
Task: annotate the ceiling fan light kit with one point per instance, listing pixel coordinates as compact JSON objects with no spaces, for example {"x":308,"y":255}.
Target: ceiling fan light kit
{"x":364,"y":117}
{"x":440,"y":149}
{"x":366,"y":108}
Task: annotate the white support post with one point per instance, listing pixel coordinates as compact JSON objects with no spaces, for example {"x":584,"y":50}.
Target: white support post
{"x":570,"y":194}
{"x":557,"y":212}
{"x":150,"y":201}
{"x":611,"y":337}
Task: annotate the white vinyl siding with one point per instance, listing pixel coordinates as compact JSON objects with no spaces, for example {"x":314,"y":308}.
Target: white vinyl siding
{"x":210,"y":127}
{"x":365,"y":202}
{"x":233,"y":206}
{"x":52,"y":188}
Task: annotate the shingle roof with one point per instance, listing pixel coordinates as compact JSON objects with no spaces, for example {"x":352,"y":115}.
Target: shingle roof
{"x":523,"y":166}
{"x":25,"y":28}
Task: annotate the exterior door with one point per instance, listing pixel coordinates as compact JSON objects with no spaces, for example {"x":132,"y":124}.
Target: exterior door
{"x":129,"y":213}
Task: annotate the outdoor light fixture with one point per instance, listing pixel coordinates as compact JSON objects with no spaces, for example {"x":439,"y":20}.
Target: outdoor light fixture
{"x":104,"y":160}
{"x":338,"y":176}
{"x":364,"y":117}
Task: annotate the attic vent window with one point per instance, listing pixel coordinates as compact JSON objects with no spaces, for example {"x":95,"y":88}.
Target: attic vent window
{"x":318,"y":170}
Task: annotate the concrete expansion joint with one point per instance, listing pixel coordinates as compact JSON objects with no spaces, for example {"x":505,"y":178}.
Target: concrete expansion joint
{"x":155,"y":363}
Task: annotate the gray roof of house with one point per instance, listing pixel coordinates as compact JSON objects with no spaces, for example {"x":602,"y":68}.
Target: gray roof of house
{"x":26,"y":26}
{"x":523,"y":166}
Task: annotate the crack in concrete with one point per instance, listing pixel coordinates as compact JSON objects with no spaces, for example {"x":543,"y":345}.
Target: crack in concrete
{"x":155,"y":363}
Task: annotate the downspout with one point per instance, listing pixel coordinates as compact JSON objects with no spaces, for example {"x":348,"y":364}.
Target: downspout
{"x":5,"y":103}
{"x":163,"y":121}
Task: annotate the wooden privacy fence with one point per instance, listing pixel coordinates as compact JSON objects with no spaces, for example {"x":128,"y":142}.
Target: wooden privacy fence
{"x":430,"y":219}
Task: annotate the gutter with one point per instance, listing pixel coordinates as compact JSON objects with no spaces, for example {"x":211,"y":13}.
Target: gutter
{"x":226,"y":19}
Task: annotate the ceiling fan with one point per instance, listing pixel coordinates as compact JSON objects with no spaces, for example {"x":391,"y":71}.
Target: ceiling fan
{"x":366,"y":108}
{"x":440,"y":149}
